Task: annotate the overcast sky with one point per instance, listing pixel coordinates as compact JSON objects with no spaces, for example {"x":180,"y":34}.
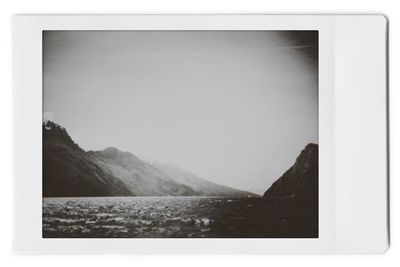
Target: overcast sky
{"x":234,"y":107}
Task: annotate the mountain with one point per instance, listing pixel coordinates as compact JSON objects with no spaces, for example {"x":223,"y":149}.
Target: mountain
{"x":69,"y":171}
{"x":301,"y":180}
{"x":201,"y":186}
{"x":141,"y":178}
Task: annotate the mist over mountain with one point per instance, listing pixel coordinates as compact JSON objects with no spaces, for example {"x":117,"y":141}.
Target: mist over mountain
{"x":201,"y":186}
{"x":69,"y":171}
{"x":140,"y":177}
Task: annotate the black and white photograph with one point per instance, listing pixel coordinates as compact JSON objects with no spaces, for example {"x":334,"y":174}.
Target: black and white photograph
{"x":180,"y":134}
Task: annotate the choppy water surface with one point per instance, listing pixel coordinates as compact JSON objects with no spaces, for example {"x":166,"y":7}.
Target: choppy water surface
{"x":173,"y":217}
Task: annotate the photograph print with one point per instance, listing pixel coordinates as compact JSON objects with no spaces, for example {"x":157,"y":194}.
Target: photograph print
{"x":180,"y":134}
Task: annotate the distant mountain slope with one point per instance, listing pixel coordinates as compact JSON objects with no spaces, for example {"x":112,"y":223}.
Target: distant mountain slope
{"x":69,"y":171}
{"x":201,"y":186}
{"x":141,"y":178}
{"x":301,"y":180}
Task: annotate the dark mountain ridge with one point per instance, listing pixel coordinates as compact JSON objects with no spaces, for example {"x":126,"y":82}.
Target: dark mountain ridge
{"x":301,"y":180}
{"x":294,"y":196}
{"x":68,"y":172}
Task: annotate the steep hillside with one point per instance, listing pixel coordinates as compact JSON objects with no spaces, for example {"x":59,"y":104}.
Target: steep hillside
{"x":301,"y":180}
{"x":68,"y":172}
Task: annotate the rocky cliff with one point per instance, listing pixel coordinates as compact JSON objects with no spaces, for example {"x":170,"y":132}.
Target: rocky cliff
{"x":301,"y":180}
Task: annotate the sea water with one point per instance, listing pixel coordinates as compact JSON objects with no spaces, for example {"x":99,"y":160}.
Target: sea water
{"x":169,"y":217}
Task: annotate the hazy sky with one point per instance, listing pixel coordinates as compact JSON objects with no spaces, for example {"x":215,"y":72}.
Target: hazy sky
{"x":233,"y":107}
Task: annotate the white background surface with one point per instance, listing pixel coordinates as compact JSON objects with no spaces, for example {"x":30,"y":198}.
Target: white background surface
{"x":9,"y":7}
{"x":27,"y":117}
